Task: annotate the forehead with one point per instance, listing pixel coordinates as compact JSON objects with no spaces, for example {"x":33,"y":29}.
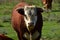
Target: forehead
{"x":29,"y":7}
{"x":30,"y":10}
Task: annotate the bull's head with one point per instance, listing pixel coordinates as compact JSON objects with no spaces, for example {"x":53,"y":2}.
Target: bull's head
{"x":30,"y":15}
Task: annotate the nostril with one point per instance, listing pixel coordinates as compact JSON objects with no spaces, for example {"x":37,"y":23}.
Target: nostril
{"x":30,"y":23}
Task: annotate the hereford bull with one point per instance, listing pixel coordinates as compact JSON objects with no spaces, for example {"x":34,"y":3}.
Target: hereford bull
{"x":27,"y":21}
{"x":3,"y":37}
{"x":47,"y":4}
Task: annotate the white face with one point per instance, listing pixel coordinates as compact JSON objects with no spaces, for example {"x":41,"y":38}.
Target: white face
{"x":30,"y":16}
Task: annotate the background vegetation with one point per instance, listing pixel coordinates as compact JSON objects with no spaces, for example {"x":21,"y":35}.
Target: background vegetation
{"x":51,"y":26}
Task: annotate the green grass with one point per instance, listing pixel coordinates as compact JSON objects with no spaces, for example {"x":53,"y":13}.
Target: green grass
{"x":50,"y":31}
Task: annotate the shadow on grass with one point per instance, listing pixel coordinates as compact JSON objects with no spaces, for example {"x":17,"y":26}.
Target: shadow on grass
{"x":56,"y":10}
{"x":1,"y":25}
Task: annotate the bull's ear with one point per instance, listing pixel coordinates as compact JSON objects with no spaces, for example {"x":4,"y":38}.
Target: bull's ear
{"x":21,"y":11}
{"x":40,"y":10}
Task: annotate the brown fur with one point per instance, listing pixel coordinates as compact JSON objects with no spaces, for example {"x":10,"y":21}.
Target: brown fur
{"x":19,"y":24}
{"x":47,"y":4}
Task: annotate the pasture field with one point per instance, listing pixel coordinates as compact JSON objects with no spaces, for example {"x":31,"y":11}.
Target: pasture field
{"x":51,"y":23}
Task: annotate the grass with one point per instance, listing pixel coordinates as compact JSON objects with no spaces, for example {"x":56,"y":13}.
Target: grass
{"x":50,"y":31}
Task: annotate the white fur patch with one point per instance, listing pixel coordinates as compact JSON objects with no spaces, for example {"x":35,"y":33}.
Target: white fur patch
{"x":31,"y":37}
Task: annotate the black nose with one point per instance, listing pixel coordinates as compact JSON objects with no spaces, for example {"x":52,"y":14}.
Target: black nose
{"x":31,"y":23}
